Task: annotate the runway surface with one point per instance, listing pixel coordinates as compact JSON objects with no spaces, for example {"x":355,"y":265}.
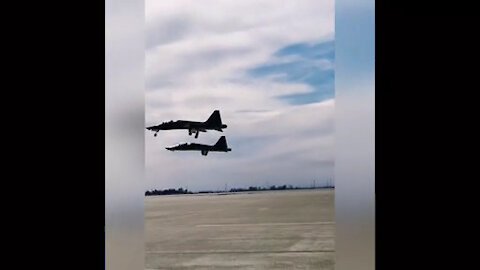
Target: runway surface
{"x":292,"y":229}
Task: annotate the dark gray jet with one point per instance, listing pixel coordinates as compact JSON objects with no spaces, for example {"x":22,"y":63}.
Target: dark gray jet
{"x":214,"y":122}
{"x":220,"y":146}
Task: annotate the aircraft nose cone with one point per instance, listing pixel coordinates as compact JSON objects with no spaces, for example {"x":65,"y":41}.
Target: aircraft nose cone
{"x":169,"y":148}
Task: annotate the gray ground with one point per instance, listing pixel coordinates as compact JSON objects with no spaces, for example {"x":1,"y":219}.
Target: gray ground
{"x":260,"y":230}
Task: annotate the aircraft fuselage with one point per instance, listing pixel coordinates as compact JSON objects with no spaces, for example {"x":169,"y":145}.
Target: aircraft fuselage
{"x":220,"y":146}
{"x":213,"y":123}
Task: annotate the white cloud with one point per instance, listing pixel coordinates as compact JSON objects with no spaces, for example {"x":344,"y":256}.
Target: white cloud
{"x":196,"y":58}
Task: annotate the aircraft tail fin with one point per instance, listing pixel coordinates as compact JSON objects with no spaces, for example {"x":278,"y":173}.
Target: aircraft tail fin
{"x":214,"y":119}
{"x":221,"y":143}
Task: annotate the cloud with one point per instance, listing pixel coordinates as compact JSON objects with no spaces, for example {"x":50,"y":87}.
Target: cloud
{"x":311,"y":64}
{"x":202,"y":55}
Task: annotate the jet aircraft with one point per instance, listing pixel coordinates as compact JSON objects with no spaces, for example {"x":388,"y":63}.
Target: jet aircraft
{"x":214,"y":122}
{"x":220,"y":146}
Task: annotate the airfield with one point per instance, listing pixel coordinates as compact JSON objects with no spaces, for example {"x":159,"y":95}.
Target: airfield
{"x":291,"y":229}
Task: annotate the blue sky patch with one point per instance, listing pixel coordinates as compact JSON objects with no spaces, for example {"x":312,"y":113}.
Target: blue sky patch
{"x":311,"y":64}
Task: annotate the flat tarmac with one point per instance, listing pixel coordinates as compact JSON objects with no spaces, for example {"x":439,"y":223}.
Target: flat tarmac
{"x":291,"y":229}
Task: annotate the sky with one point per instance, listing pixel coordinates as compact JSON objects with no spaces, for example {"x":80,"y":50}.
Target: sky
{"x":268,"y":66}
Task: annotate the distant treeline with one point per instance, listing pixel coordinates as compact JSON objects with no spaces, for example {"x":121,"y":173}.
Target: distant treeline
{"x":172,"y":191}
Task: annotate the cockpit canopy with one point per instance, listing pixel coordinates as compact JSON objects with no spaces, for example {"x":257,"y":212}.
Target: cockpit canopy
{"x":181,"y":144}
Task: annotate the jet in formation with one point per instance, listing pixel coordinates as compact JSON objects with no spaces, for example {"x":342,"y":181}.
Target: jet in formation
{"x":220,"y":146}
{"x":214,"y":122}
